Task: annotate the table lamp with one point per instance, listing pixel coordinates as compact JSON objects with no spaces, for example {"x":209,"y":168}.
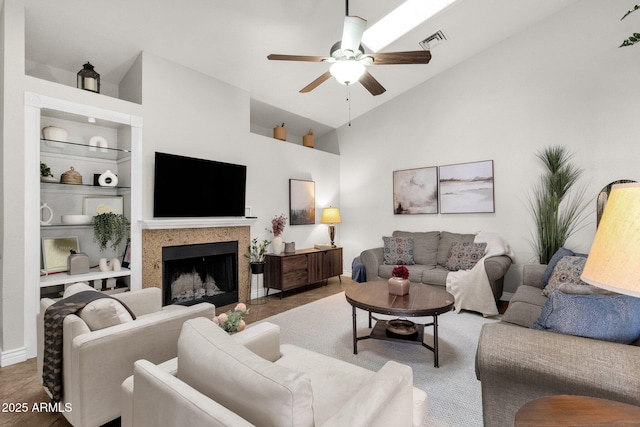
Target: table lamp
{"x":331,"y":216}
{"x":613,"y":260}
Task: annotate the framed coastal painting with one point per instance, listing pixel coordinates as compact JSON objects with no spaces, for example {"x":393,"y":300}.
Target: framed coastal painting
{"x":302,"y":202}
{"x":415,"y":191}
{"x":55,"y":252}
{"x":467,"y":187}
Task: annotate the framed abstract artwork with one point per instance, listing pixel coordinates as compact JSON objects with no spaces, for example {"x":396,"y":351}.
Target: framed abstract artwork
{"x":302,"y":202}
{"x":415,"y":191}
{"x":467,"y":187}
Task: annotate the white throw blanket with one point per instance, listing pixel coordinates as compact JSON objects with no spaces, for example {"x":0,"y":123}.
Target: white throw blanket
{"x":471,"y":288}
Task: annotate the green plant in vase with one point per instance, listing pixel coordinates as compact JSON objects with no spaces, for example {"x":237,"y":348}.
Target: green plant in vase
{"x":45,"y":171}
{"x":110,"y":227}
{"x":256,"y":251}
{"x":557,"y":211}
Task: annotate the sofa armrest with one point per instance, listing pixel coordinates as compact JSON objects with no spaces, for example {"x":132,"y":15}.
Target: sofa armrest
{"x":532,"y":274}
{"x":372,"y":258}
{"x":97,"y":362}
{"x":516,"y":365}
{"x":262,"y":338}
{"x":144,"y":301}
{"x":160,"y":399}
{"x":385,"y":400}
{"x":496,"y":267}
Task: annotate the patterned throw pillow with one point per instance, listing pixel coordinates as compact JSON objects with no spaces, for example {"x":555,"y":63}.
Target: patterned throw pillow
{"x":398,"y":250}
{"x":463,"y":255}
{"x":560,"y":253}
{"x":567,"y":270}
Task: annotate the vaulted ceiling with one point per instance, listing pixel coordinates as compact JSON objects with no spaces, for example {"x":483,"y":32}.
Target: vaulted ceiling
{"x":230,"y":40}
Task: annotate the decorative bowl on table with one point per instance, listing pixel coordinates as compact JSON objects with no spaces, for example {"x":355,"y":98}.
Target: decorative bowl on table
{"x":401,"y":328}
{"x":76,"y":219}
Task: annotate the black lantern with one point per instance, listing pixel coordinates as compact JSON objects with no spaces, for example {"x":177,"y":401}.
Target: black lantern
{"x":88,"y":79}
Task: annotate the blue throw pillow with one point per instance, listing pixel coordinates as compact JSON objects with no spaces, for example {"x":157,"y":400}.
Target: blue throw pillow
{"x":613,"y":318}
{"x":560,"y":253}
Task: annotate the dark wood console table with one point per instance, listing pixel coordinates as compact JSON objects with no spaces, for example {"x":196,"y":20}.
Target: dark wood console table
{"x":303,"y":267}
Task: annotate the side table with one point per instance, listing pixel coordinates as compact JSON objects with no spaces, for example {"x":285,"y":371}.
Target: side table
{"x":566,"y":410}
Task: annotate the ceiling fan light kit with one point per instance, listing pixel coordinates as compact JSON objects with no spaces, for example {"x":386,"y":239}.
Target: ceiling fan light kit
{"x":349,"y":60}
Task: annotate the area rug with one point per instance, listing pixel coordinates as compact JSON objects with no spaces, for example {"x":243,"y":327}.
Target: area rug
{"x":325,"y":326}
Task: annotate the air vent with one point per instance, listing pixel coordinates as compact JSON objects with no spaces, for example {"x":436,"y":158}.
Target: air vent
{"x":433,"y":40}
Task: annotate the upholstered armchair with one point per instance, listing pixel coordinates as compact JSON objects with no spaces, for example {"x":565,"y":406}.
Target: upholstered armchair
{"x":250,"y":379}
{"x":96,"y":362}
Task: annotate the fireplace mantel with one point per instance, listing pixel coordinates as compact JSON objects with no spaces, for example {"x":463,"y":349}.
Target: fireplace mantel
{"x":174,"y":223}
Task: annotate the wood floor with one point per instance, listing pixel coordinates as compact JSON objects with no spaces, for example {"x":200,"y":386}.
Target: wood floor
{"x":19,"y":383}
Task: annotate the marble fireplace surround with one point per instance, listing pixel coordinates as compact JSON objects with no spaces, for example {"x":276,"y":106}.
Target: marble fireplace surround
{"x":158,"y":233}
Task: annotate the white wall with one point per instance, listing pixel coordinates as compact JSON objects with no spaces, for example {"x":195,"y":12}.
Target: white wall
{"x":191,"y":114}
{"x":561,"y":82}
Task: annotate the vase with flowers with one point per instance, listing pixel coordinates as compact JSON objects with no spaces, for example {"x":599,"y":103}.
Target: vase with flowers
{"x":399,"y":281}
{"x":231,"y":321}
{"x":277,"y":227}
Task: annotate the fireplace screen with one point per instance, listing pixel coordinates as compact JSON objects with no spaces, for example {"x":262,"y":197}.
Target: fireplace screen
{"x":202,"y":272}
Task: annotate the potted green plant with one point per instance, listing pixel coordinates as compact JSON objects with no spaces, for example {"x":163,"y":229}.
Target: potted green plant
{"x":45,"y":173}
{"x":635,"y":37}
{"x":255,"y":254}
{"x":110,"y":227}
{"x":556,"y":211}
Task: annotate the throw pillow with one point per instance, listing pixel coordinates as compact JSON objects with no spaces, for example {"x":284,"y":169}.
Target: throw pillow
{"x":613,"y":318}
{"x":566,"y":271}
{"x":101,"y":313}
{"x":398,"y":250}
{"x":464,"y":255}
{"x":560,"y":253}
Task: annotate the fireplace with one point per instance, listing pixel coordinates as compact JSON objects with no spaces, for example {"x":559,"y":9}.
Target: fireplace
{"x":204,"y":272}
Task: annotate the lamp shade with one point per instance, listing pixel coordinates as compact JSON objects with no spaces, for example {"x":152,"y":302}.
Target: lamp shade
{"x":330,"y":216}
{"x":613,"y":259}
{"x":347,"y":72}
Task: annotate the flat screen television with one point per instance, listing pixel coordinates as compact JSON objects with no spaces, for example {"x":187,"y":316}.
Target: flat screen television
{"x":190,"y":187}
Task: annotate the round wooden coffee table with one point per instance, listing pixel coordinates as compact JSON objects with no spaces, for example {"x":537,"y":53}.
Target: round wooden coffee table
{"x":422,"y":300}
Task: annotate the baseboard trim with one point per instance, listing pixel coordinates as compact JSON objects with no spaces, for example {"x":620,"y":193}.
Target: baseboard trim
{"x":11,"y":357}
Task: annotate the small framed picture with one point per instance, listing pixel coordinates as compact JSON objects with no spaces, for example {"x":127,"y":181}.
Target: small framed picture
{"x":55,"y":252}
{"x":302,"y":202}
{"x":126,"y":258}
{"x":100,"y":205}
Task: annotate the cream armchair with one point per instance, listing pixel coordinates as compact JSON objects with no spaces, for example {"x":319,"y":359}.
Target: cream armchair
{"x":250,"y":379}
{"x":95,"y":363}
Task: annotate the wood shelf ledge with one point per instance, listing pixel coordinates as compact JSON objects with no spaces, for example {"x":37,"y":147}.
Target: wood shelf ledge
{"x":173,"y":223}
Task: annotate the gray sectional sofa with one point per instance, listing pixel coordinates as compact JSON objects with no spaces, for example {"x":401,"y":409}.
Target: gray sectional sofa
{"x":516,"y":364}
{"x":430,"y":252}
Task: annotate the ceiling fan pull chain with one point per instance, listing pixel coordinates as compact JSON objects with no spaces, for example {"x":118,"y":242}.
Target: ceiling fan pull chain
{"x":349,"y":101}
{"x":346,"y":2}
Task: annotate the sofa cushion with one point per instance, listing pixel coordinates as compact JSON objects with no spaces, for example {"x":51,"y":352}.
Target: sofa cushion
{"x":425,"y":245}
{"x":435,"y":276}
{"x":613,"y":318}
{"x":525,"y":306}
{"x":101,"y":313}
{"x":446,"y":239}
{"x":464,"y":255}
{"x":259,"y":391}
{"x":560,"y":253}
{"x":416,"y":271}
{"x":398,"y":250}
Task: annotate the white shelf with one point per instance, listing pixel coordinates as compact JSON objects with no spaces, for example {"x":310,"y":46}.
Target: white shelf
{"x":93,"y":274}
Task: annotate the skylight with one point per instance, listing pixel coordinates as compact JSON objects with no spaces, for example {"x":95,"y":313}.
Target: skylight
{"x":400,"y":21}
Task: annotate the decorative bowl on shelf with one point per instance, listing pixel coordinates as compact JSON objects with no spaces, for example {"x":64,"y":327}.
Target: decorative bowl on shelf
{"x":76,"y":219}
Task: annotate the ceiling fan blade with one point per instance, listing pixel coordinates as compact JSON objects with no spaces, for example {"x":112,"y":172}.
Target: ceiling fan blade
{"x":317,"y":82}
{"x":279,"y":57}
{"x":391,"y":58}
{"x":352,"y":33}
{"x":371,"y":84}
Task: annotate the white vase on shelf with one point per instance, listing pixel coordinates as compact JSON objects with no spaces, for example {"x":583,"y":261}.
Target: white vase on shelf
{"x":103,"y":265}
{"x":277,"y":245}
{"x":108,"y":179}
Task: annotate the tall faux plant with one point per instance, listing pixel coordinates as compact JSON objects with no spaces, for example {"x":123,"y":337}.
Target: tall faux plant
{"x":557,"y":212}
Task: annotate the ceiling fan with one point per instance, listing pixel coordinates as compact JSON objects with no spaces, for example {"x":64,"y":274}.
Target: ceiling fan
{"x":349,"y":60}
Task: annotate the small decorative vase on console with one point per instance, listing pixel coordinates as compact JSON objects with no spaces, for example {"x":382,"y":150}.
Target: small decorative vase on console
{"x":277,"y":245}
{"x":398,"y":286}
